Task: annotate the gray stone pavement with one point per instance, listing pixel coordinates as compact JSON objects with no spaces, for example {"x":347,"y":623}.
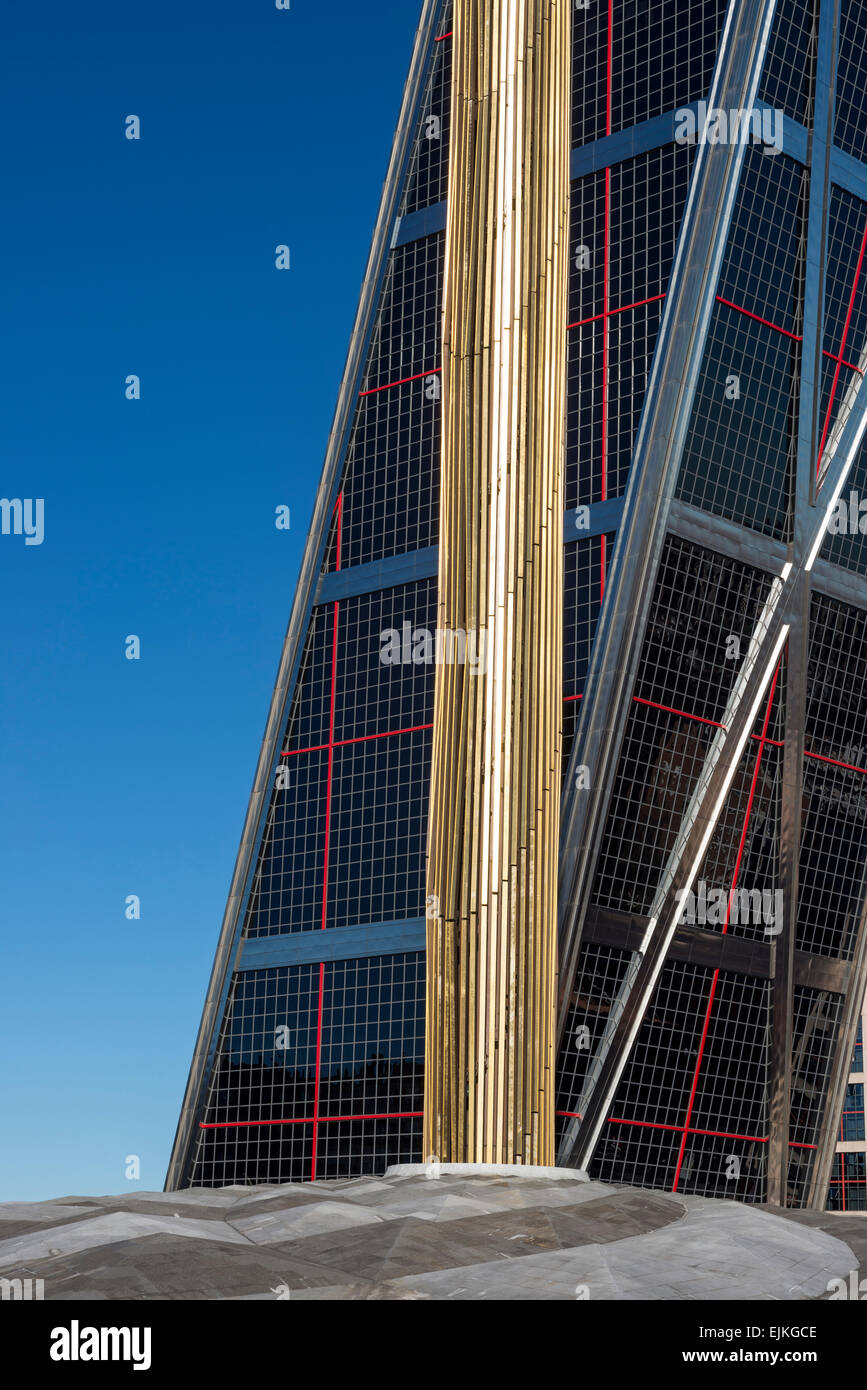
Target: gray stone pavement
{"x":457,"y":1236}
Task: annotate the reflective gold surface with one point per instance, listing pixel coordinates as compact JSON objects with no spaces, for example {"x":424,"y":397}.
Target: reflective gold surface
{"x":495,"y":782}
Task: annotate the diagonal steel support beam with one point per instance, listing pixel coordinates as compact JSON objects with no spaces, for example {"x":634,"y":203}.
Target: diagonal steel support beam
{"x":659,"y":445}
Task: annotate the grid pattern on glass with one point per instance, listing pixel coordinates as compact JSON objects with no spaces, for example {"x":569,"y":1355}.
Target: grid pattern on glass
{"x":287,"y":885}
{"x":311,"y":701}
{"x":636,"y":1156}
{"x":704,"y":608}
{"x":850,"y":129}
{"x":832,"y":859}
{"x":391,"y":483}
{"x":319,"y":1066}
{"x":587,"y":203}
{"x":406,"y":340}
{"x":732,"y":1169}
{"x":590,"y":71}
{"x":599,"y":976}
{"x":429,"y":167}
{"x":846,"y":542}
{"x":659,"y":767}
{"x":858,"y":1055}
{"x":731,"y":1089}
{"x":353,"y":1148}
{"x":252,"y":1157}
{"x":846,"y":284}
{"x":836,"y":712}
{"x":624,"y":229}
{"x":584,"y":479}
{"x":848,"y":1187}
{"x":610,"y":378}
{"x":701,"y":601}
{"x":834,"y":828}
{"x":763,"y":267}
{"x":632,"y":343}
{"x":266,"y":1065}
{"x":581,"y":604}
{"x":657,"y":1081}
{"x":632,"y":61}
{"x":852,"y":1121}
{"x":738,"y":456}
{"x":789,"y":75}
{"x":697,"y":1072}
{"x":647,"y":196}
{"x":663,"y":55}
{"x":373,"y":1037}
{"x":385,"y":667}
{"x":376,"y":860}
{"x":816,"y":1018}
{"x":742,"y":859}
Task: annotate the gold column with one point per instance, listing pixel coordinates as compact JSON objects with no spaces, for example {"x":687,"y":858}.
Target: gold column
{"x":495,"y":781}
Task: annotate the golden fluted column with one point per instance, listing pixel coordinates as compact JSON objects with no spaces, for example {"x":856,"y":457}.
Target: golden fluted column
{"x":495,"y":780}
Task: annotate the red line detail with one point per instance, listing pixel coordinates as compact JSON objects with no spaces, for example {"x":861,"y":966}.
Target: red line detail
{"x":318,"y":1073}
{"x":716,"y":973}
{"x":842,"y":361}
{"x":440,"y":37}
{"x":850,"y":767}
{"x":364,"y":738}
{"x":678,"y":1129}
{"x":609,"y":66}
{"x":338,"y":546}
{"x":610,"y":313}
{"x":321,"y":1120}
{"x":846,"y":327}
{"x":390,"y":733}
{"x":646,"y":1124}
{"x":699,"y":719}
{"x":402,"y":382}
{"x":758,"y":318}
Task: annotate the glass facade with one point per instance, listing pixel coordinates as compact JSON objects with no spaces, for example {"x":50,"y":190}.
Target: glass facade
{"x":848,"y":1186}
{"x":313,"y":1066}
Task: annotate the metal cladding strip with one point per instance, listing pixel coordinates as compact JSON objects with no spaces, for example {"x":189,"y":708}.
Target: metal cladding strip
{"x":228,"y":946}
{"x":335,"y":943}
{"x":708,"y":799}
{"x":414,"y":565}
{"x":689,"y":305}
{"x":495,"y":776}
{"x":803,"y":521}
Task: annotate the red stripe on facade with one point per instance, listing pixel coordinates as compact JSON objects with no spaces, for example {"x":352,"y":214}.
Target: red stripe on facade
{"x":716,"y":973}
{"x":434,"y":371}
{"x":839,"y":359}
{"x":758,"y":318}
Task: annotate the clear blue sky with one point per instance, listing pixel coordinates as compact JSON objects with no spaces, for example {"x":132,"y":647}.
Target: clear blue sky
{"x":156,"y":257}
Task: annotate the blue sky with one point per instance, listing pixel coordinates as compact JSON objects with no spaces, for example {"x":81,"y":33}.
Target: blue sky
{"x":156,"y":258}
